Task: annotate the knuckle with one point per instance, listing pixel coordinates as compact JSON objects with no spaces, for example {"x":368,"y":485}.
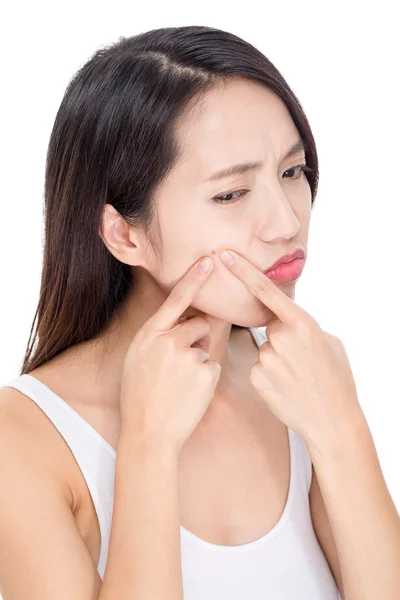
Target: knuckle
{"x":333,"y":337}
{"x":260,"y":286}
{"x":209,"y":373}
{"x":171,"y":343}
{"x":266,"y":356}
{"x":335,"y":340}
{"x":191,"y":357}
{"x":214,"y":372}
{"x":177,"y":296}
{"x":206,"y":324}
{"x":255,"y":373}
{"x":306,"y":328}
{"x":277,"y":338}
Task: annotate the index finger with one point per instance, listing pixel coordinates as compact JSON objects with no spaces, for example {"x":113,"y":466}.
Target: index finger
{"x":265,"y":290}
{"x":182,"y":295}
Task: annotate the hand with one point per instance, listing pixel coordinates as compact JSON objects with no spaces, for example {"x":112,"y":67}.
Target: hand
{"x":167,"y":380}
{"x":303,"y":372}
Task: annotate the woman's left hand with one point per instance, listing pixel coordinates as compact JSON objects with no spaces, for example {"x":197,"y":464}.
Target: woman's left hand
{"x":302,"y":373}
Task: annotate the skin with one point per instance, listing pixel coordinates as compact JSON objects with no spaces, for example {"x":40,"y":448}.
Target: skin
{"x":244,"y":121}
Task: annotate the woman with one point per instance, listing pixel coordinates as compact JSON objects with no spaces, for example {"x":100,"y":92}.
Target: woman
{"x":164,"y":467}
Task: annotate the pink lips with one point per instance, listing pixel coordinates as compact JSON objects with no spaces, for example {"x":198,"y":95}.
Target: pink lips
{"x":288,"y":267}
{"x":288,"y":271}
{"x":298,"y":253}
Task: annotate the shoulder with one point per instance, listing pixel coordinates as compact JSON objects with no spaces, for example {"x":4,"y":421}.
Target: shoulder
{"x":28,"y":436}
{"x":37,"y":510}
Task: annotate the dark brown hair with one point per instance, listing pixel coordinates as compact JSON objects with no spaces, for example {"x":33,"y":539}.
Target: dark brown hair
{"x":113,"y":142}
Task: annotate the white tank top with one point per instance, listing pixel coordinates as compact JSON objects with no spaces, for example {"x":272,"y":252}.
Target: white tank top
{"x":287,"y":563}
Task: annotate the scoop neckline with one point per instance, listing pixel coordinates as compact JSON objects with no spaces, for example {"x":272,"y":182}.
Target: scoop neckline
{"x":272,"y":532}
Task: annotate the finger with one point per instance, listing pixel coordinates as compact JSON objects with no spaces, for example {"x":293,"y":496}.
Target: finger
{"x":266,"y":291}
{"x":196,"y":333}
{"x":181,"y":297}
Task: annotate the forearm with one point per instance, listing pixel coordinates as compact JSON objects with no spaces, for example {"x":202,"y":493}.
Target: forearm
{"x":144,"y":561}
{"x":363,"y":517}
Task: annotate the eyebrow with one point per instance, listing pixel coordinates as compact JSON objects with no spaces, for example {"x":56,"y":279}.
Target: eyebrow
{"x":241,"y":168}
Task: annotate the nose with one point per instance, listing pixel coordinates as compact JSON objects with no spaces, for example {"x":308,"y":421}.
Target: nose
{"x":278,"y":221}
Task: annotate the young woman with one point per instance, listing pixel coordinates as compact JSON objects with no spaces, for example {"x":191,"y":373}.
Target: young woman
{"x":148,"y":457}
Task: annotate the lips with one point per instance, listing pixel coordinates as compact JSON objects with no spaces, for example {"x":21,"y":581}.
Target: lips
{"x":299,"y":253}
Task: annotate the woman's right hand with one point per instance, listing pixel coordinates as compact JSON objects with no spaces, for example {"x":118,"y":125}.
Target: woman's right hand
{"x":167,"y":380}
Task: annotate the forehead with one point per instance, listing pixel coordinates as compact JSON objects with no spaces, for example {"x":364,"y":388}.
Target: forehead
{"x":244,"y":120}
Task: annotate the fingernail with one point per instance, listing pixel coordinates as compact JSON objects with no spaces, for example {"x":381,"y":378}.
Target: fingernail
{"x":227,"y":257}
{"x":205,"y":265}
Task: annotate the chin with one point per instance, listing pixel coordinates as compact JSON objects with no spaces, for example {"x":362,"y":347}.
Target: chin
{"x":263,"y":316}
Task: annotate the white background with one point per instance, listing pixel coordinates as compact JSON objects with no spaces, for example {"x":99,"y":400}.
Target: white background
{"x":341,"y":60}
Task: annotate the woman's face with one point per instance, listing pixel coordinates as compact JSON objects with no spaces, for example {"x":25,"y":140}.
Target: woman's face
{"x":266,"y":213}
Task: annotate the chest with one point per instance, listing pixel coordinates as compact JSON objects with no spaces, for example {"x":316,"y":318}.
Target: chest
{"x":233,"y":488}
{"x":233,"y":482}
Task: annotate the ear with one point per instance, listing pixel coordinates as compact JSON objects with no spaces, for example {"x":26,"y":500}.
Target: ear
{"x":122,"y":240}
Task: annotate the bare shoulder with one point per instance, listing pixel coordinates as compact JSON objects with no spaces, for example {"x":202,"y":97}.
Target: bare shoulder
{"x":32,"y":436}
{"x":38,"y":531}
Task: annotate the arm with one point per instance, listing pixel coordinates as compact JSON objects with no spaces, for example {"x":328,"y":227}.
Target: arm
{"x":145,"y":554}
{"x":39,"y":537}
{"x":323,"y":531}
{"x":42,"y":554}
{"x":364,"y":520}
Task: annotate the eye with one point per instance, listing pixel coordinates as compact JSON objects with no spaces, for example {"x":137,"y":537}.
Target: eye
{"x":224,"y":198}
{"x":303,"y":169}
